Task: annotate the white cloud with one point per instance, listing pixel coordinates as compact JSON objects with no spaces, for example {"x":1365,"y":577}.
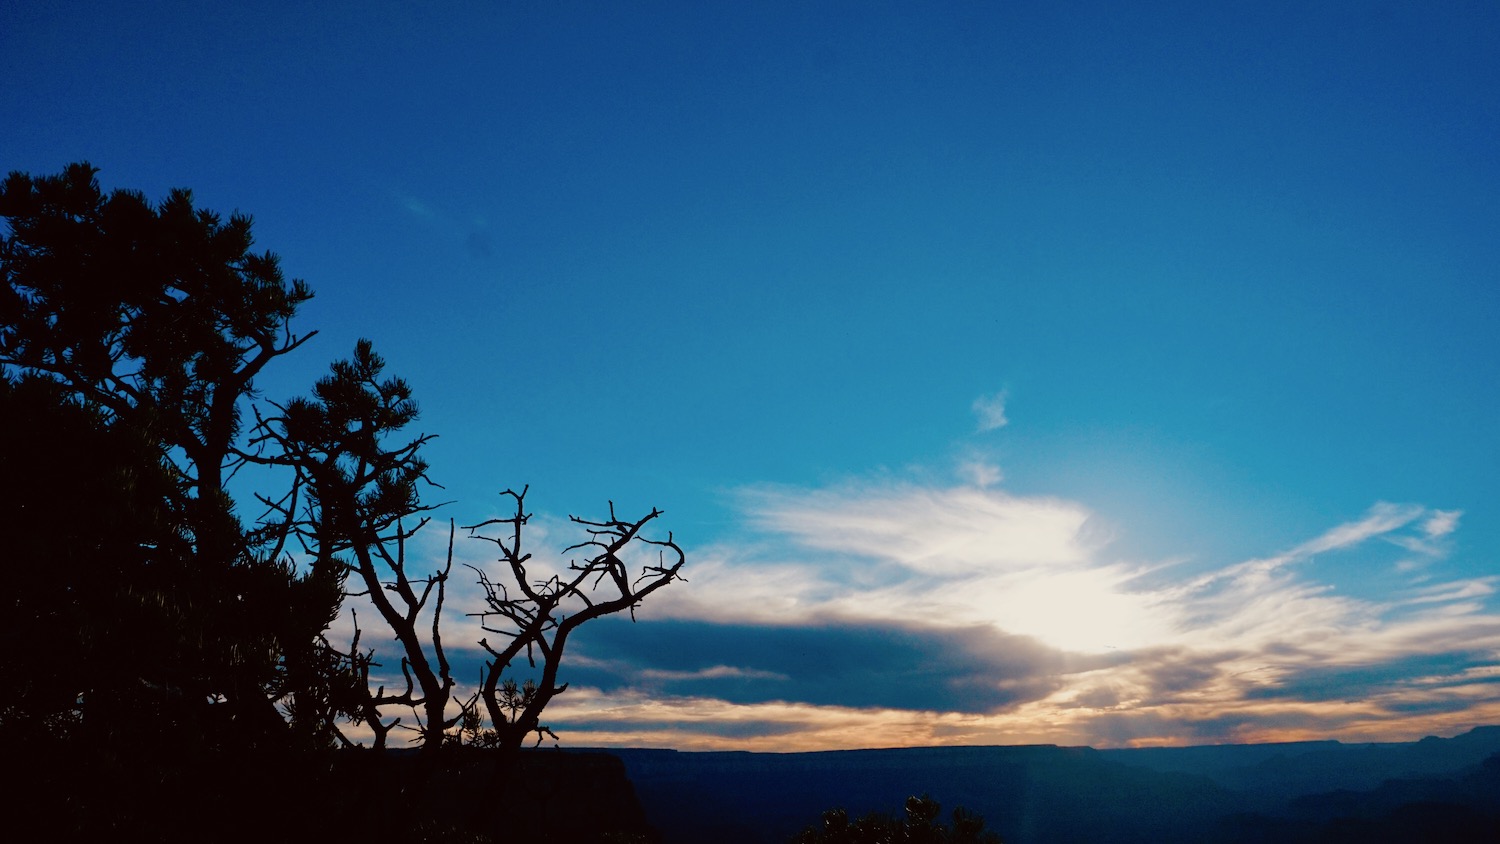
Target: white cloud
{"x":716,"y":672}
{"x":929,"y":530}
{"x":991,"y":411}
{"x":1441,"y":523}
{"x":1382,"y":518}
{"x":980,"y":473}
{"x":1479,"y":587}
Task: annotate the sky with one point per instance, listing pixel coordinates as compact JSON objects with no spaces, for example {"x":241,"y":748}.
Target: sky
{"x":1054,"y":372}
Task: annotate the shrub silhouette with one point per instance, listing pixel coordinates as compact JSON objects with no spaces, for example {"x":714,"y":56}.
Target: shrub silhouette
{"x":920,"y":826}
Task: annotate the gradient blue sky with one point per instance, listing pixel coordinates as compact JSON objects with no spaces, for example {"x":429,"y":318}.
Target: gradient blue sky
{"x":1077,"y":372}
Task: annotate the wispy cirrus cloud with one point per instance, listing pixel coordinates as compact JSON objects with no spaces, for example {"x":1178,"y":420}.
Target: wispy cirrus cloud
{"x":476,"y":236}
{"x":1382,"y":519}
{"x":413,"y":205}
{"x":929,"y":530}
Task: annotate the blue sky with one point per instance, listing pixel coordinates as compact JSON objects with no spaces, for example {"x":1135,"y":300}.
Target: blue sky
{"x":1010,"y":371}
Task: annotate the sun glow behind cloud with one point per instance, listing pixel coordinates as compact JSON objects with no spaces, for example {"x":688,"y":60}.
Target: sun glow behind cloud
{"x":890,"y":613}
{"x":893,"y":612}
{"x":1129,"y":653}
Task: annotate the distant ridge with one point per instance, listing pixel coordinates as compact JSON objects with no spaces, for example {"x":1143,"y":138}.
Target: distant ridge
{"x":1300,"y":767}
{"x":1045,"y":794}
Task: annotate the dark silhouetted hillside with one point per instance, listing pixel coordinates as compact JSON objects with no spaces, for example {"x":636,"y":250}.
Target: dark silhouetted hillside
{"x":1312,"y":791}
{"x":1041,"y":793}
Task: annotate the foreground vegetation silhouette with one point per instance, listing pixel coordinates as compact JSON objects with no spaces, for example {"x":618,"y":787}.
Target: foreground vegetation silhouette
{"x":169,"y":671}
{"x":920,"y":826}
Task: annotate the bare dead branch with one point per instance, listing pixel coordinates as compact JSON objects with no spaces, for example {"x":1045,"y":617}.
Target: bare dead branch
{"x":533,"y":617}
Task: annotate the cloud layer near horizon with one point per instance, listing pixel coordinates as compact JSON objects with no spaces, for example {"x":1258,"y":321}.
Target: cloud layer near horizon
{"x":890,"y":613}
{"x":896,"y":613}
